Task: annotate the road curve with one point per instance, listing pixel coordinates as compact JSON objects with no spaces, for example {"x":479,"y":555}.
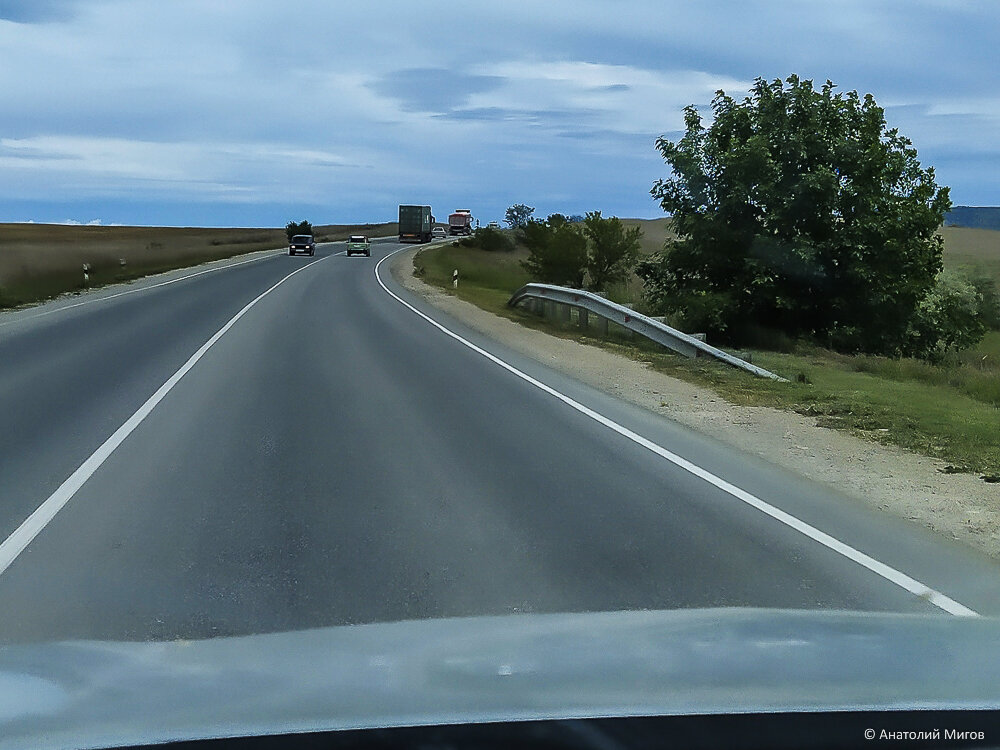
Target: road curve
{"x":333,"y":457}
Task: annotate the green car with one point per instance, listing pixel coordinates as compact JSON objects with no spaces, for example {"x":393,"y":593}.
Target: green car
{"x":358,"y":244}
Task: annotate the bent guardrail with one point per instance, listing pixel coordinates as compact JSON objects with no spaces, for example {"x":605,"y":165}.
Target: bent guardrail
{"x":678,"y":341}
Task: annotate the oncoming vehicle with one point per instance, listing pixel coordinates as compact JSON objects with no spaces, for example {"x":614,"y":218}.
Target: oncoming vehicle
{"x":358,"y":244}
{"x":302,"y":243}
{"x":438,"y":233}
{"x":460,"y":222}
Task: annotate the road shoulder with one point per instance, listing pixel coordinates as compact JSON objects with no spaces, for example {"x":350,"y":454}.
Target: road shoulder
{"x":900,"y":482}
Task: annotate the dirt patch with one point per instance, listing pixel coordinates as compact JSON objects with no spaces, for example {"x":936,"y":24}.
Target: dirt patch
{"x":906,"y":484}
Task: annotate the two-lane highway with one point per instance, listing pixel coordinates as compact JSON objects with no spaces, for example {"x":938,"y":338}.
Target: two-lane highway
{"x":304,"y":448}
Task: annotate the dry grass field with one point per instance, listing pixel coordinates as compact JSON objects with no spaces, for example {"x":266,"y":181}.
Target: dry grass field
{"x":654,"y":233}
{"x":973,"y":249}
{"x":38,"y":261}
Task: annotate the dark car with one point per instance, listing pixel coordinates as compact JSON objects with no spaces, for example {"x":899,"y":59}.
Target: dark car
{"x":302,"y":243}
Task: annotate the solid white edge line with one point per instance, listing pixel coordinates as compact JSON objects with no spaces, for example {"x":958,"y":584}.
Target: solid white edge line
{"x":270,"y":254}
{"x":23,"y":535}
{"x":879,"y":568}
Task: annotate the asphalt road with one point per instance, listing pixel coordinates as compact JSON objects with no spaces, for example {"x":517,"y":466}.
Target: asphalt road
{"x":334,"y":458}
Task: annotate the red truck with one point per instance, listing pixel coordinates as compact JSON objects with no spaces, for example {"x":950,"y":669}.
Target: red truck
{"x":460,"y":222}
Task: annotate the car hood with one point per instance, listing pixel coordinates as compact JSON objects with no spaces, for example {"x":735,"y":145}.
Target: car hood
{"x":486,"y":669}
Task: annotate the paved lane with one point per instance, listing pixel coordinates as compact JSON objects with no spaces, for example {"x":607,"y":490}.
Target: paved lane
{"x":335,"y":459}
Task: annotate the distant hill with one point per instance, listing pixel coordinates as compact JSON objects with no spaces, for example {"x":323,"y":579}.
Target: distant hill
{"x":975,"y":217}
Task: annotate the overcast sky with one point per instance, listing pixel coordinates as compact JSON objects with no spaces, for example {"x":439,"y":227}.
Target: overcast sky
{"x":218,"y":113}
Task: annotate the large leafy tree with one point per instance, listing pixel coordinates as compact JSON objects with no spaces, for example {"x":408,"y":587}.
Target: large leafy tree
{"x":798,"y":210}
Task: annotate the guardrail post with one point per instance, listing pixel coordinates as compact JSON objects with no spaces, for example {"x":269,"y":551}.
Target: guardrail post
{"x":584,"y":318}
{"x":564,"y":312}
{"x":629,"y":333}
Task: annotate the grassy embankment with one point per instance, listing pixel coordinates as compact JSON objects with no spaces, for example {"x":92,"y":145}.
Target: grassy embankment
{"x":38,"y":261}
{"x":951,"y":412}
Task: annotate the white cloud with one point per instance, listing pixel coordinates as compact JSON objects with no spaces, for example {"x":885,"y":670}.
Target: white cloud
{"x":267,"y":103}
{"x":613,"y":97}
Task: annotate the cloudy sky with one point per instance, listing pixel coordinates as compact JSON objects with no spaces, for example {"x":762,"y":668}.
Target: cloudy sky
{"x":218,"y":113}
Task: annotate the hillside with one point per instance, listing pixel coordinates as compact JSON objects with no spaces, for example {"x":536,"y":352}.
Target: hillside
{"x":974,"y":217}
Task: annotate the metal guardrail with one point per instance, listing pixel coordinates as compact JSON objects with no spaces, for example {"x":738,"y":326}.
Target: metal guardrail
{"x":678,"y":341}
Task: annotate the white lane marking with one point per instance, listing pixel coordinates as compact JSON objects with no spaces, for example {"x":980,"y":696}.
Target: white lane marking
{"x":15,"y":544}
{"x":141,"y":289}
{"x":879,"y":568}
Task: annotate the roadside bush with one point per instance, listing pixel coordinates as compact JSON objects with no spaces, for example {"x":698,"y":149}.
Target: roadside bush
{"x":706,"y":313}
{"x":989,"y":306}
{"x":557,"y":251}
{"x":493,"y":240}
{"x":567,"y":252}
{"x":613,"y":251}
{"x":303,"y":227}
{"x":947,"y":320}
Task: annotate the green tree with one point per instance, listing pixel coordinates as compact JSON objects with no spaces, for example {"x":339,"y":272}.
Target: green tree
{"x":518,"y":215}
{"x":557,"y":251}
{"x":800,"y":211}
{"x":948,"y":319}
{"x":989,"y":309}
{"x":492,"y":240}
{"x":614,"y":250}
{"x":303,"y":227}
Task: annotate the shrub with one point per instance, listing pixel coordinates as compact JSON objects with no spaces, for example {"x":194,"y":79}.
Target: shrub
{"x":557,"y":251}
{"x":303,"y":227}
{"x":613,"y":250}
{"x":947,"y":320}
{"x":989,"y":307}
{"x":493,"y":240}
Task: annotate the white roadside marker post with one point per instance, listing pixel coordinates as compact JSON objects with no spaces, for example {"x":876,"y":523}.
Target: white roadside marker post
{"x":454,"y":278}
{"x":86,"y":274}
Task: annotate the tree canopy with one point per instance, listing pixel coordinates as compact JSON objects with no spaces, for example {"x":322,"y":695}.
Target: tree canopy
{"x":557,"y":251}
{"x":614,"y":250}
{"x":563,"y":252}
{"x":798,"y":210}
{"x":303,"y":227}
{"x":518,"y":215}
